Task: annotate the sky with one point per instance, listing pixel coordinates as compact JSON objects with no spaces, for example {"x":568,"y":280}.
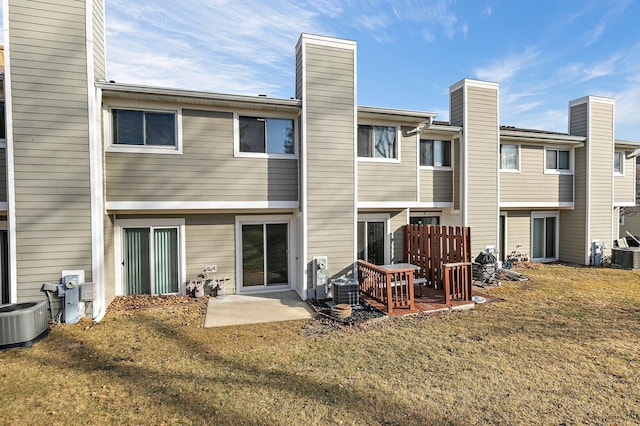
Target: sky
{"x":542,"y":53}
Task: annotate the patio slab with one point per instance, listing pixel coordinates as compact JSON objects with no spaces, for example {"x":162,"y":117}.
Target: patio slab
{"x":235,"y":309}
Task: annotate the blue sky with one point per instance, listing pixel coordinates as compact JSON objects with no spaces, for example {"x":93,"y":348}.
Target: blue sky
{"x":543,"y":53}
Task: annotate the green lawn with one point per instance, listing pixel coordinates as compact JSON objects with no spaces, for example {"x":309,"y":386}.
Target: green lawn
{"x":563,"y":348}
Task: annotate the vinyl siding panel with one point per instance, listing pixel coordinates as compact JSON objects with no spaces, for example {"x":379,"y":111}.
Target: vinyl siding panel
{"x":457,"y":167}
{"x":210,"y":240}
{"x":601,"y":141}
{"x":456,"y":99}
{"x":624,"y":186}
{"x":387,"y":181}
{"x":578,"y":122}
{"x":572,"y":222}
{"x":99,"y":53}
{"x":330,"y":156}
{"x":206,"y":171}
{"x":532,"y":184}
{"x":436,"y":186}
{"x":109,"y":260}
{"x":3,"y":174}
{"x":482,"y":169}
{"x":52,"y":193}
{"x":518,"y":232}
{"x":397,"y":221}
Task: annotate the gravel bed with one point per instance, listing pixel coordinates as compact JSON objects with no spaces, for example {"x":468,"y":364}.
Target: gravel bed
{"x":361,"y":313}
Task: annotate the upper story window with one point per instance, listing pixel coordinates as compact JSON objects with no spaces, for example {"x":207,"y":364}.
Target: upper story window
{"x":509,"y":158}
{"x":435,"y":153}
{"x":265,"y":135}
{"x":136,"y":130}
{"x":424,"y":220}
{"x":377,"y":142}
{"x":618,"y":162}
{"x":557,"y":160}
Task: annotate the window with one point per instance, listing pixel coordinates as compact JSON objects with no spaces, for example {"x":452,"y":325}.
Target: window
{"x":377,"y":142}
{"x":266,"y":135}
{"x":618,"y":162}
{"x":509,"y":157}
{"x":435,"y":153}
{"x":557,"y":160}
{"x":424,"y":220}
{"x":144,"y":128}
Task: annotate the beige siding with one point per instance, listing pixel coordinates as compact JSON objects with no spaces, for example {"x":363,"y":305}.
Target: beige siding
{"x":109,"y":261}
{"x":572,"y":222}
{"x":99,"y":54}
{"x":624,"y":186}
{"x":397,"y":221}
{"x":206,"y":170}
{"x":456,"y":99}
{"x":601,"y":142}
{"x":3,"y":175}
{"x":518,"y":232}
{"x":51,"y":155}
{"x":390,"y":181}
{"x":210,"y":240}
{"x":330,"y":107}
{"x":532,"y":184}
{"x":457,"y":167}
{"x":482,"y":173}
{"x":436,"y":186}
{"x":578,"y":122}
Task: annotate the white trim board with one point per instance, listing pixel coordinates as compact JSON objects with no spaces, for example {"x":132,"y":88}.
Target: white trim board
{"x":198,"y":205}
{"x":536,"y":204}
{"x":403,"y":205}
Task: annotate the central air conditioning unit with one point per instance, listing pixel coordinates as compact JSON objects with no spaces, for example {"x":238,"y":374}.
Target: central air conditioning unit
{"x":21,"y":324}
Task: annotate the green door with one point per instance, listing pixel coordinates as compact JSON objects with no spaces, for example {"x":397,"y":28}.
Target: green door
{"x":151,"y":261}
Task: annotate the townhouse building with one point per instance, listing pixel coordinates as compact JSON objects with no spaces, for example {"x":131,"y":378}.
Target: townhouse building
{"x":141,"y":188}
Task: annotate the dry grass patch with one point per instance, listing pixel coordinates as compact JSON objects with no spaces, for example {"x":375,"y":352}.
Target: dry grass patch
{"x":561,"y":348}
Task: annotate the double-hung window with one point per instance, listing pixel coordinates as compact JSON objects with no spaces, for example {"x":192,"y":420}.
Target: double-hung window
{"x":144,"y":128}
{"x":377,"y":142}
{"x":435,"y":153}
{"x":557,"y":160}
{"x":509,"y":158}
{"x":618,"y":162}
{"x":265,"y":135}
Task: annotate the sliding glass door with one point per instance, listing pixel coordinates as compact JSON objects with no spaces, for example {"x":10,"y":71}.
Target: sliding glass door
{"x":151,"y":260}
{"x":373,"y":239}
{"x":264,"y":255}
{"x":544,"y":241}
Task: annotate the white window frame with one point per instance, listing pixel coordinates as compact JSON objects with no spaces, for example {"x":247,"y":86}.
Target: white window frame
{"x":622,"y":158}
{"x":434,"y":167}
{"x":118,"y":240}
{"x":379,"y":217}
{"x":395,"y":159}
{"x":110,"y":146}
{"x":261,"y":220}
{"x":236,"y":136}
{"x":518,"y":158}
{"x":544,"y":215}
{"x":559,"y":171}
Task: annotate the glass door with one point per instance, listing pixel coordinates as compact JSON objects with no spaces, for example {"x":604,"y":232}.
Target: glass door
{"x":150,"y":260}
{"x":543,"y":238}
{"x":373,"y":244}
{"x":265,"y":255}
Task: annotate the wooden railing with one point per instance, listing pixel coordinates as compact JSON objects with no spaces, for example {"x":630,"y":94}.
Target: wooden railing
{"x":432,"y":247}
{"x":457,"y":281}
{"x":392,"y":288}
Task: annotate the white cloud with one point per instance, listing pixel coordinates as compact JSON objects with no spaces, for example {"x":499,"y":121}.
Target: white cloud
{"x":601,"y":69}
{"x":501,"y":70}
{"x":487,"y":11}
{"x":594,"y":34}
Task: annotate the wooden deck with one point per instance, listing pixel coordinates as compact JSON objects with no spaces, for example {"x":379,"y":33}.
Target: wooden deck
{"x":432,"y":300}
